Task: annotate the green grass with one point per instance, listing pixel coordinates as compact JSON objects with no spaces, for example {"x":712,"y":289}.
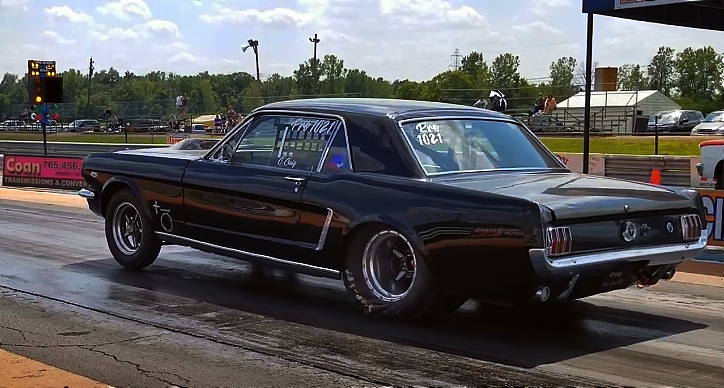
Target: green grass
{"x":629,"y":145}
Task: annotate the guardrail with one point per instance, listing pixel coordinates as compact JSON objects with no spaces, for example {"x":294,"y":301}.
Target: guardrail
{"x":67,"y":148}
{"x":675,"y":170}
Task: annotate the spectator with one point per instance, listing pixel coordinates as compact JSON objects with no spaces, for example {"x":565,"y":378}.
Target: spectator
{"x":218,"y":122}
{"x":498,"y":102}
{"x":538,"y":106}
{"x":550,"y":105}
{"x":179,"y":102}
{"x":481,"y":103}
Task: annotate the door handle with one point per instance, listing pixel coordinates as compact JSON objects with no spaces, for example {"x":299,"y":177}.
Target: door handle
{"x":295,"y":179}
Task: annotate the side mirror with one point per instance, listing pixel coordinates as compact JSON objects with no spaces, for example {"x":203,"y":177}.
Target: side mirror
{"x":684,"y":120}
{"x":243,"y":157}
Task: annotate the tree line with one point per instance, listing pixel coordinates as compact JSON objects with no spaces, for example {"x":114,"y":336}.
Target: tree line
{"x":692,"y":77}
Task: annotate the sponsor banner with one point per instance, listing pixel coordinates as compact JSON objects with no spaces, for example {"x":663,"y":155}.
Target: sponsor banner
{"x":173,"y":139}
{"x":596,"y":162}
{"x":49,"y":172}
{"x":623,"y":4}
{"x":714,"y":206}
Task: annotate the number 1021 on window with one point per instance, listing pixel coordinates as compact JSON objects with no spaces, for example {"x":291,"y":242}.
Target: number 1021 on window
{"x":429,"y":139}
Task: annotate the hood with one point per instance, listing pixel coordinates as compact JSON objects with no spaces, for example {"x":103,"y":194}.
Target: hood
{"x":572,"y":195}
{"x":185,"y":149}
{"x":166,"y":152}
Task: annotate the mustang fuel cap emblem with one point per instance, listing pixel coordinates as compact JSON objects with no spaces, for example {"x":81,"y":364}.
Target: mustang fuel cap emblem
{"x":629,"y":231}
{"x":670,"y":227}
{"x":625,"y":208}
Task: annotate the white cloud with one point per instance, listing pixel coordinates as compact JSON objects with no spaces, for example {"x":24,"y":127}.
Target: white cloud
{"x":276,"y":15}
{"x":65,"y":13}
{"x":421,"y":12}
{"x":126,"y":9}
{"x":115,"y":34}
{"x":57,"y":38}
{"x":537,"y":28}
{"x":547,"y":6}
{"x":162,"y":27}
{"x":14,"y":4}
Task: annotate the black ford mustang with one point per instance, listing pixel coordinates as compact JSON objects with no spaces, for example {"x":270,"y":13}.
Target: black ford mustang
{"x":416,"y":206}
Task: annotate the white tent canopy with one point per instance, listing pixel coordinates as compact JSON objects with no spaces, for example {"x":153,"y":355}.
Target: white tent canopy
{"x":615,"y":111}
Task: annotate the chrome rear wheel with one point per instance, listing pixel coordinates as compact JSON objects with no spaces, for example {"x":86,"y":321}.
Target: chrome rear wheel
{"x":389,"y":266}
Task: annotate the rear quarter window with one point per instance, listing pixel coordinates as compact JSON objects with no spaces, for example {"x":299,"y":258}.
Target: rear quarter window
{"x":373,"y":150}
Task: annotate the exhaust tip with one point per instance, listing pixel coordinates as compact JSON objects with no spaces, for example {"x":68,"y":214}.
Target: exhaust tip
{"x":543,"y":294}
{"x":669,"y":274}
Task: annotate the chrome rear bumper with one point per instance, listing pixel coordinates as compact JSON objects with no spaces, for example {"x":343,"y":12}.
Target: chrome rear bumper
{"x":657,"y":255}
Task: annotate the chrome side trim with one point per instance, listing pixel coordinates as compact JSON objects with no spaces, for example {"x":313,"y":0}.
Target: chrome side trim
{"x":325,"y":230}
{"x":314,"y":268}
{"x":87,"y":194}
{"x":659,"y":255}
{"x":531,"y":135}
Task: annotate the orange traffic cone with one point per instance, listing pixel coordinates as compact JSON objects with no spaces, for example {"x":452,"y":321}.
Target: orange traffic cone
{"x":656,"y":177}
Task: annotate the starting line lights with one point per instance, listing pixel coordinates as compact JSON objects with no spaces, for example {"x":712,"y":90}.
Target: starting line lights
{"x":44,"y":84}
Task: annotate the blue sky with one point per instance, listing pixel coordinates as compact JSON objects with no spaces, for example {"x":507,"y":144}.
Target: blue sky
{"x":411,"y":39}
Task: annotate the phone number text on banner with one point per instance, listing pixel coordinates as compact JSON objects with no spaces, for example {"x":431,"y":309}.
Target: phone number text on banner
{"x":50,"y":172}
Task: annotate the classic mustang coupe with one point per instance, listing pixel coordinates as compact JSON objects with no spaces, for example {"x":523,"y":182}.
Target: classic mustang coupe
{"x":415,"y":206}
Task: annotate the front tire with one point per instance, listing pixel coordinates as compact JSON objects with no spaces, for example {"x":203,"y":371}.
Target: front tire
{"x":130,"y":233}
{"x":391,"y":279}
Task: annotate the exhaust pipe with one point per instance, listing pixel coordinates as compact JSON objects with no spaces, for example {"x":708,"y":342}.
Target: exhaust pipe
{"x":542,"y":294}
{"x":669,"y":274}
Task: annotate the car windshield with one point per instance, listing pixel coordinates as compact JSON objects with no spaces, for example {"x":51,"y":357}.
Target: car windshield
{"x":456,"y":145}
{"x":715,"y":117}
{"x":666,"y":118}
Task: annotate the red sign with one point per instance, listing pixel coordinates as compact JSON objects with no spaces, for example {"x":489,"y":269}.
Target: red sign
{"x":52,"y":172}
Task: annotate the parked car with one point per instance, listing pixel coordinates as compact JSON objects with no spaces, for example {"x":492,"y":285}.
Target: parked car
{"x":416,"y":206}
{"x":85,"y":125}
{"x":713,"y":124}
{"x":674,"y":121}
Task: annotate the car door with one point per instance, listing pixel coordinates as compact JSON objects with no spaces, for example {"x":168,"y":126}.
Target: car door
{"x":248,"y":197}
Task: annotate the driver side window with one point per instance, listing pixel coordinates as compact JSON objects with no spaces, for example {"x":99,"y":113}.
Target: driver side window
{"x":287,"y":142}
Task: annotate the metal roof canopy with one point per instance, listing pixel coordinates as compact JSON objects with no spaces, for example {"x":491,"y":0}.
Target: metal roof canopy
{"x":702,"y":14}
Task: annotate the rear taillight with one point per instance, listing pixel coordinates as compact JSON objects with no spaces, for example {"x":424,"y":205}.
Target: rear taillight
{"x":558,"y":240}
{"x":691,"y":227}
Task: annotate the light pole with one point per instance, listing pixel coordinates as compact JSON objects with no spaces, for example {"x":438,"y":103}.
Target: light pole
{"x":254,"y":44}
{"x":315,"y":41}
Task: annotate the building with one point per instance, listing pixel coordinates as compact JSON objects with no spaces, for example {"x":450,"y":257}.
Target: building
{"x":613,"y":112}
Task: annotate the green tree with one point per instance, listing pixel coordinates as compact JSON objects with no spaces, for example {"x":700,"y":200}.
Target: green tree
{"x":562,"y":75}
{"x":699,"y":73}
{"x":631,"y":77}
{"x":662,"y":70}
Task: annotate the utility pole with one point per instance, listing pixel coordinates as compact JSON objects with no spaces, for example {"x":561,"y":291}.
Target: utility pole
{"x":315,"y":77}
{"x":90,"y":76}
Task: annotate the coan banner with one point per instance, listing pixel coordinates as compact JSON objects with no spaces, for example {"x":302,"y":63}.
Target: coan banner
{"x":49,"y":172}
{"x":623,"y":4}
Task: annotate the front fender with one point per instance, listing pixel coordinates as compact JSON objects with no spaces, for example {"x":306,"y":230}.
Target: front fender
{"x":116,"y":183}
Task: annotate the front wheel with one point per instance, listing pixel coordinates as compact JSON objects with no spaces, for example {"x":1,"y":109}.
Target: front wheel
{"x":129,"y":232}
{"x":391,"y":279}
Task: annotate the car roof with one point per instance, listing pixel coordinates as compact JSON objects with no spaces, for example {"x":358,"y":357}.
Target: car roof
{"x":393,"y":108}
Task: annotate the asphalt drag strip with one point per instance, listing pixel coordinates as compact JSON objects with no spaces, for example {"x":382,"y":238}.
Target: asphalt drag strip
{"x":668,"y":335}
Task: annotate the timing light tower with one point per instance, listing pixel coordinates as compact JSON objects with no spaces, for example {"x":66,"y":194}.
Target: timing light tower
{"x":44,"y":87}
